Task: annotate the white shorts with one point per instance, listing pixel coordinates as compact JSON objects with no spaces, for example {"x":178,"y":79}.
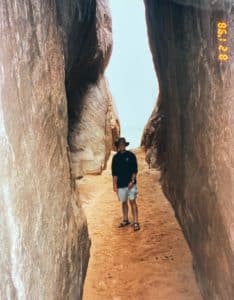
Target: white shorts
{"x":125,"y":194}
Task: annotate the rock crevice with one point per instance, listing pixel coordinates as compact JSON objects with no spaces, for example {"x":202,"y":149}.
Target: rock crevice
{"x":87,"y":40}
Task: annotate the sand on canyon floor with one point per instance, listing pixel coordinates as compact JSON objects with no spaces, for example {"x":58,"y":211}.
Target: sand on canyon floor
{"x":154,"y":263}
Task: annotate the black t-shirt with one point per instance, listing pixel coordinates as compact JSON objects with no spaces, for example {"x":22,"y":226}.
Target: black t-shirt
{"x":123,"y":166}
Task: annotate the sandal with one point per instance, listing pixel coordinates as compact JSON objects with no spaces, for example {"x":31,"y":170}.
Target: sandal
{"x":136,"y":226}
{"x":124,"y":223}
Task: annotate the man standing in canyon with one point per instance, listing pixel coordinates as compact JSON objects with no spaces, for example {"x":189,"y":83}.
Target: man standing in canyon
{"x":124,"y":172}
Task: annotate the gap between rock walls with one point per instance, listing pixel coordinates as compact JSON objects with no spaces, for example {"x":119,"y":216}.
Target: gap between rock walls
{"x":189,"y":135}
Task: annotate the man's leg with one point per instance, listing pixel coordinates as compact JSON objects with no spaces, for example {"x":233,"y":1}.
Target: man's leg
{"x":136,"y":225}
{"x":125,"y":210}
{"x":132,"y":194}
{"x":123,"y":197}
{"x":134,"y":209}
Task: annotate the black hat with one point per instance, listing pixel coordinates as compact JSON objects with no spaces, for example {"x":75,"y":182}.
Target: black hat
{"x":121,"y":140}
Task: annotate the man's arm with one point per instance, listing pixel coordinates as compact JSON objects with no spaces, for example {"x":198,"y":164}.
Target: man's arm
{"x":114,"y":174}
{"x":134,"y":177}
{"x":115,"y":183}
{"x":134,"y":171}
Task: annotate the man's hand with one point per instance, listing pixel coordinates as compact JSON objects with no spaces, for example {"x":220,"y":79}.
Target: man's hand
{"x":115,"y":188}
{"x":130,"y":185}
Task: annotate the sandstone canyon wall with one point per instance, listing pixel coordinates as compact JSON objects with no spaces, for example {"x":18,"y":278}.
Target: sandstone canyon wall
{"x":190,"y":135}
{"x":51,"y":53}
{"x":93,"y":122}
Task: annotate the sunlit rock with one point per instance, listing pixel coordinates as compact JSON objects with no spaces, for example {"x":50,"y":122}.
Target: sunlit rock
{"x":92,"y":137}
{"x":87,"y":40}
{"x":190,"y":134}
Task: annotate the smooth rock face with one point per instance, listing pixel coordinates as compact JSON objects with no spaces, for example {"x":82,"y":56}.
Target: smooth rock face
{"x":43,"y":233}
{"x":190,"y":135}
{"x":93,"y":135}
{"x":89,"y":101}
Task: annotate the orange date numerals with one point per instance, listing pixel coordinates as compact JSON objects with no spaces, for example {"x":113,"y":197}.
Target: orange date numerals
{"x":222,"y":32}
{"x":222,"y":25}
{"x":223,"y":57}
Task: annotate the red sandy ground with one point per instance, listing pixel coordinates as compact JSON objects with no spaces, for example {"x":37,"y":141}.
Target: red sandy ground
{"x":151,"y":264}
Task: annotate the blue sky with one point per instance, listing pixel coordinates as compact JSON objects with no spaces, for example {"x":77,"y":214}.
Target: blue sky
{"x":130,"y":73}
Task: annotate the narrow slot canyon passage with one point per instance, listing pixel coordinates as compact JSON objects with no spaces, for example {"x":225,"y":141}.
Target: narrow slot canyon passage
{"x":153,"y":263}
{"x":134,"y":93}
{"x":58,"y":127}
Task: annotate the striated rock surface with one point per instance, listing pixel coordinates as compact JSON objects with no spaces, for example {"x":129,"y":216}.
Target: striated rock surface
{"x":190,"y":135}
{"x":51,"y":54}
{"x":93,"y":135}
{"x":88,"y":50}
